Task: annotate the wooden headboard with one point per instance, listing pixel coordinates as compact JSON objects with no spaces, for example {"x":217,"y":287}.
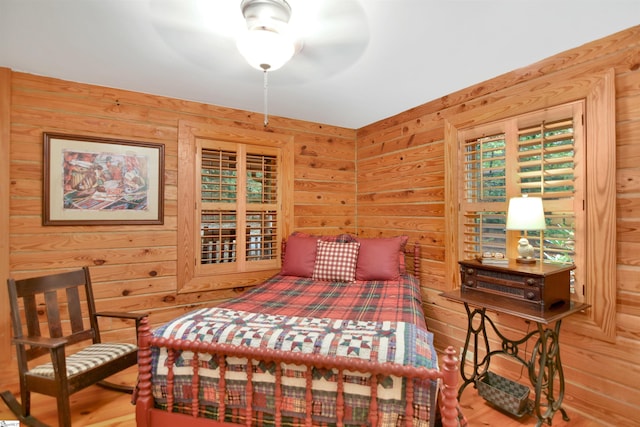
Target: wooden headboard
{"x":412,"y":255}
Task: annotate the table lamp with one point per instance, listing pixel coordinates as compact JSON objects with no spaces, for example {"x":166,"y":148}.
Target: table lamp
{"x":525,"y":214}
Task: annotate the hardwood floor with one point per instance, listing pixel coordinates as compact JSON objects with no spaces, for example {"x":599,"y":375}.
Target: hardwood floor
{"x":480,"y":413}
{"x":98,"y":407}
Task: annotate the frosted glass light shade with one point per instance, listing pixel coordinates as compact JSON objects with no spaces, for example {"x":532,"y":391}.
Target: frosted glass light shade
{"x":265,"y":50}
{"x":525,"y":213}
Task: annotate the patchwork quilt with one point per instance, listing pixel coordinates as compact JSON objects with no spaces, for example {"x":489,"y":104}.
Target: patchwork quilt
{"x":380,"y":321}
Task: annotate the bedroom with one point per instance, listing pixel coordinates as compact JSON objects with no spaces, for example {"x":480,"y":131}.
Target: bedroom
{"x":144,"y":259}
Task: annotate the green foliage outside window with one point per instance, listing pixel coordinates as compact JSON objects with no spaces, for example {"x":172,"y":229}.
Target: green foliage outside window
{"x":545,"y":168}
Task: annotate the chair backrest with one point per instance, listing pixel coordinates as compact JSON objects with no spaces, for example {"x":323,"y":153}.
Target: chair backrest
{"x":54,"y":306}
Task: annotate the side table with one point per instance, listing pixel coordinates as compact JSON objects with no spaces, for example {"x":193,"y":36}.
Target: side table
{"x":544,"y":365}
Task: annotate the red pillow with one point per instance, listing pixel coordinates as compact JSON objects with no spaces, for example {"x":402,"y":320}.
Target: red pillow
{"x":378,"y":258}
{"x":299,"y":256}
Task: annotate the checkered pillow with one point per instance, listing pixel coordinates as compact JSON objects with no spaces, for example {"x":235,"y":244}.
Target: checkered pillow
{"x":336,"y":262}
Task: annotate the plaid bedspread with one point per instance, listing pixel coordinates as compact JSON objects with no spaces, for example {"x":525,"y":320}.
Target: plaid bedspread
{"x":380,"y":321}
{"x":398,"y":301}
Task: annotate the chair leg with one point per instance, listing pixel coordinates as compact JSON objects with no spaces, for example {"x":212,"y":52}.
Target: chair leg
{"x":64,"y":410}
{"x":25,"y":398}
{"x":17,"y":410}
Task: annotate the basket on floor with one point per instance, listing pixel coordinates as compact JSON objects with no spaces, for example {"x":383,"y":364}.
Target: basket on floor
{"x":503,"y":393}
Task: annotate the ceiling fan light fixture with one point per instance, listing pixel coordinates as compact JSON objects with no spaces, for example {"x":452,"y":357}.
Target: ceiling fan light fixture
{"x":266,"y":45}
{"x":266,"y":50}
{"x":270,"y":14}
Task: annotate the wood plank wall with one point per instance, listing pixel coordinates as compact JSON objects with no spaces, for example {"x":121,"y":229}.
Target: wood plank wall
{"x":134,"y":267}
{"x":401,"y":189}
{"x":5,"y":120}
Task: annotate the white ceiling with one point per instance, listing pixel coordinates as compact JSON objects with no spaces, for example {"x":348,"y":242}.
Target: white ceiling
{"x":362,"y":61}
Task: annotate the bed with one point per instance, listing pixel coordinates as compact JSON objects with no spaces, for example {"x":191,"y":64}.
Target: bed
{"x":338,"y":337}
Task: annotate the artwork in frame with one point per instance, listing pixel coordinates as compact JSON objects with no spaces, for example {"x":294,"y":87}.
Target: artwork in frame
{"x":102,"y":181}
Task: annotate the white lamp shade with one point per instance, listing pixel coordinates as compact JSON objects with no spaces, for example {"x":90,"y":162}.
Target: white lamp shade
{"x":264,"y":49}
{"x":525,"y":213}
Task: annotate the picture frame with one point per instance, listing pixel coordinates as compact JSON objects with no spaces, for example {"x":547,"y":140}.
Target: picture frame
{"x":102,"y":181}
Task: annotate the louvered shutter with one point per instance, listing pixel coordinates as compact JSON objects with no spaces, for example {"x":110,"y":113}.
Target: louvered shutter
{"x":538,"y":155}
{"x":262,"y":214}
{"x":238,"y":191}
{"x":219,"y":193}
{"x":546,"y":168}
{"x":484,"y":195}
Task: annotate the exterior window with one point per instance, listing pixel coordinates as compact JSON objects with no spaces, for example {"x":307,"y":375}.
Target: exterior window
{"x":236,"y":192}
{"x":566,"y":155}
{"x":538,"y":154}
{"x":230,"y":203}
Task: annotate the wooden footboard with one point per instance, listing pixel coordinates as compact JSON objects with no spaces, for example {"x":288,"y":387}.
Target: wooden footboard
{"x":147,"y":415}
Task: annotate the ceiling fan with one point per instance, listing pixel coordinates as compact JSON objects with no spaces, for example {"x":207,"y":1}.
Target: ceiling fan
{"x":330,"y":35}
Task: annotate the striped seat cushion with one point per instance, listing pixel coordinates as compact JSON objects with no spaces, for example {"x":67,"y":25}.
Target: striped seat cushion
{"x":88,"y":358}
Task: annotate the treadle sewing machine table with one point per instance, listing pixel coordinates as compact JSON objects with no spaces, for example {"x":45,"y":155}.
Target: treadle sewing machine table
{"x":545,"y":364}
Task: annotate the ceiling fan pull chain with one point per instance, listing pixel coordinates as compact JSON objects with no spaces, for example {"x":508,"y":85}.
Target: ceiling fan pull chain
{"x":266,"y":112}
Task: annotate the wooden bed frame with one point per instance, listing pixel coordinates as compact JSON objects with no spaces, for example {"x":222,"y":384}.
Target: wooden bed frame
{"x":149,"y":416}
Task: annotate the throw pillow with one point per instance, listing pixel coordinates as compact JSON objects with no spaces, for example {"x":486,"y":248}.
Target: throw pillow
{"x":335,"y":261}
{"x":299,"y":256}
{"x":378,"y":258}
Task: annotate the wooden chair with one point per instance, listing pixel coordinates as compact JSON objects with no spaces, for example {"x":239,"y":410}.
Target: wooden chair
{"x":49,"y":316}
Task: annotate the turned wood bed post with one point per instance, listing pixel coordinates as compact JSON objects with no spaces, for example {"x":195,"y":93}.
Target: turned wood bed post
{"x":449,"y":408}
{"x":248,"y":393}
{"x":171,"y":358}
{"x":195,"y":381}
{"x":144,"y":400}
{"x":416,"y":261}
{"x":308,"y":374}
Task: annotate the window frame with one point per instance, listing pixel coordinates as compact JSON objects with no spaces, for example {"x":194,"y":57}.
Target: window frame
{"x":193,"y":277}
{"x":598,"y":91}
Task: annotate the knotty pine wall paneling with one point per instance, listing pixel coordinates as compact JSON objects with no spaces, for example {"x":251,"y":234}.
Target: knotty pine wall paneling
{"x":325,"y":184}
{"x":5,"y":120}
{"x":134,"y":267}
{"x":408,"y":151}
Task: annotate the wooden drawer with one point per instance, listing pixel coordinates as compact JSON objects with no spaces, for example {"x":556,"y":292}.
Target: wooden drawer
{"x":544,"y":285}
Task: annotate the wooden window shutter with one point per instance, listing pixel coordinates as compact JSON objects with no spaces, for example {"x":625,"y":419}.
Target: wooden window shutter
{"x":534,"y":154}
{"x":547,"y":169}
{"x":261,"y":213}
{"x":218,"y":214}
{"x":238,"y":207}
{"x":484,"y":166}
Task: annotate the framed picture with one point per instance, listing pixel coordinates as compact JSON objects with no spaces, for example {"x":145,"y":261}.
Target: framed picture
{"x":100,"y":181}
